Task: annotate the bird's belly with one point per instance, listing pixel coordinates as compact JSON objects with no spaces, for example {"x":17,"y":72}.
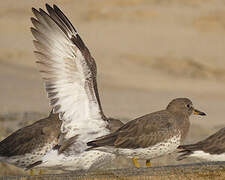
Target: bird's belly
{"x":83,"y":161}
{"x":151,"y":152}
{"x":23,"y":161}
{"x":27,"y":159}
{"x":209,"y":157}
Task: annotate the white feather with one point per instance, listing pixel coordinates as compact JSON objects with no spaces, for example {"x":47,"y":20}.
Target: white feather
{"x":66,"y":72}
{"x":85,"y":161}
{"x":157,"y":150}
{"x":208,"y":157}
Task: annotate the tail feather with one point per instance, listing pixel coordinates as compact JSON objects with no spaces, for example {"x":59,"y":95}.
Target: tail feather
{"x":187,"y":150}
{"x":189,"y":147}
{"x":107,"y":140}
{"x":184,"y":154}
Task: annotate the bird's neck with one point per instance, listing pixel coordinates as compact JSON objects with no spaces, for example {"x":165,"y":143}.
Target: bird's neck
{"x":183,"y":124}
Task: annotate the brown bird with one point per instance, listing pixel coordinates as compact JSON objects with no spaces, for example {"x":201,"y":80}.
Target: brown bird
{"x":152,"y":135}
{"x":210,"y":149}
{"x":25,"y":147}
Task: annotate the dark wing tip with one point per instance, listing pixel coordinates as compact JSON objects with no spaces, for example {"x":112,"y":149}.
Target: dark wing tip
{"x":56,"y":8}
{"x":180,"y":147}
{"x":33,"y":30}
{"x":35,"y":11}
{"x":42,"y":12}
{"x":181,"y":157}
{"x":183,"y":154}
{"x":34,"y":21}
{"x":49,"y":8}
{"x":91,"y":143}
{"x":64,"y":18}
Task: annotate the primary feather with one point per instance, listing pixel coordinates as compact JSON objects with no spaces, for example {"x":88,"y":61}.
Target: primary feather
{"x":69,"y":73}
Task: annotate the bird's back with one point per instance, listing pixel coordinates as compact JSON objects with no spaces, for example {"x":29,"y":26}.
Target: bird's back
{"x":31,"y":142}
{"x":142,"y":132}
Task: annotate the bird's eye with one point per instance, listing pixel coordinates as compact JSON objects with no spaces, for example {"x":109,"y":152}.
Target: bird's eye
{"x":188,"y":105}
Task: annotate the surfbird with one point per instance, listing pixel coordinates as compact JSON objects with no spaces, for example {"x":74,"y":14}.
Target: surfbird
{"x":152,"y":135}
{"x":25,"y":147}
{"x":210,"y":149}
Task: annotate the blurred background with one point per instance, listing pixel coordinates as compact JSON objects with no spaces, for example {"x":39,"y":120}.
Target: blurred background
{"x":147,"y":52}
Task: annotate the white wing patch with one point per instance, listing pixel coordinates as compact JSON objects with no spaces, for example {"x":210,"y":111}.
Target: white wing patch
{"x":207,"y":156}
{"x":66,"y":74}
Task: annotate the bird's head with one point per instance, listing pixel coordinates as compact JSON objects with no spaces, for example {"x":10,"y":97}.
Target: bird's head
{"x":183,"y":105}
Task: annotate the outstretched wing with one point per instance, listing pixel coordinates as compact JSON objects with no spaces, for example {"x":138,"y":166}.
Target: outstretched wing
{"x":69,"y":72}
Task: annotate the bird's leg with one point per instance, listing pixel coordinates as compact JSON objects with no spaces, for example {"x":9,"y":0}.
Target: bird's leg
{"x":31,"y":172}
{"x":40,"y":172}
{"x":148,"y":163}
{"x":137,"y":165}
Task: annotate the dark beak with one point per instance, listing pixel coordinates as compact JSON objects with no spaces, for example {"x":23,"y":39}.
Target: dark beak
{"x":197,"y":112}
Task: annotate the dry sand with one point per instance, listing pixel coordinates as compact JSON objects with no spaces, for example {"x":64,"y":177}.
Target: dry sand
{"x":147,"y":52}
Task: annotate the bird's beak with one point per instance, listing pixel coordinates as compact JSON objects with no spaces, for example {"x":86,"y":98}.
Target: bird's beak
{"x":197,"y":112}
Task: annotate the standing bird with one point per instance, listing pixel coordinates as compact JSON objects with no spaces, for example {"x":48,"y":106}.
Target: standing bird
{"x":25,"y":147}
{"x":150,"y":136}
{"x":210,"y":149}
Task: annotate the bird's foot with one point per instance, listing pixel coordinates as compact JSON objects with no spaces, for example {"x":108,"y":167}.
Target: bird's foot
{"x":135,"y":162}
{"x":40,"y":172}
{"x":31,"y":172}
{"x":148,"y":163}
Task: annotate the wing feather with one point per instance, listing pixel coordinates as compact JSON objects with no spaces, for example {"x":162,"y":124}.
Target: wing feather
{"x":68,"y":71}
{"x":142,"y":132}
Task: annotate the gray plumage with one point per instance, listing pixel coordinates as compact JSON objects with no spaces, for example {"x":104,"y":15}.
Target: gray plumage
{"x":151,"y":129}
{"x":213,"y":145}
{"x":27,"y":145}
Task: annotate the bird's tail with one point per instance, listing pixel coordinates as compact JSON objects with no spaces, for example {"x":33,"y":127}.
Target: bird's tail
{"x":187,"y":150}
{"x":184,"y":154}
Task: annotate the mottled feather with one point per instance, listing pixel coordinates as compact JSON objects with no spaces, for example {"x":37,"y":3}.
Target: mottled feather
{"x":214,"y":144}
{"x":69,"y":72}
{"x":142,"y":132}
{"x":29,"y":138}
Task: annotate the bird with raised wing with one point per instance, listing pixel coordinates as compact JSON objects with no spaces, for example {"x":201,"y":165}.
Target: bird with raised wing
{"x":69,"y":73}
{"x":210,"y":149}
